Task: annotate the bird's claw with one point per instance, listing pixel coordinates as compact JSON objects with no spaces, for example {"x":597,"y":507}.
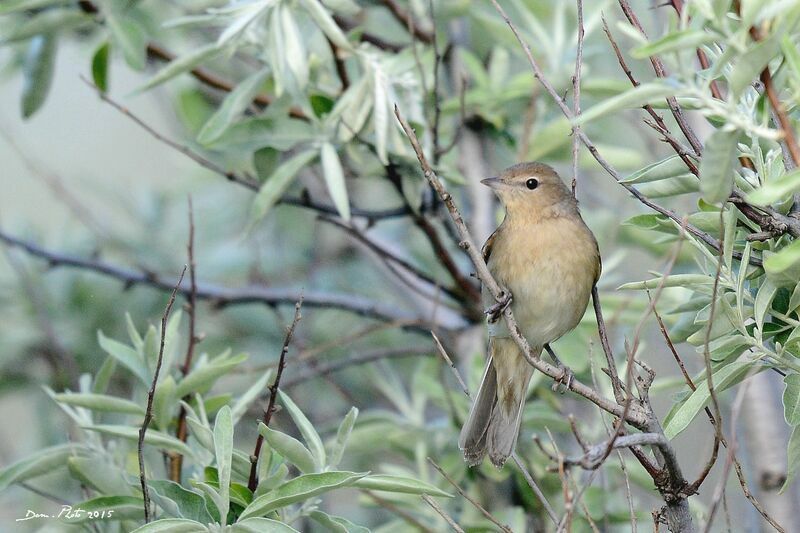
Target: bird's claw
{"x":494,"y":311}
{"x":562,"y":383}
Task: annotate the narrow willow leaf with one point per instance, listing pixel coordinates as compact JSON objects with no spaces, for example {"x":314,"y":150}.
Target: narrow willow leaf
{"x":205,"y":374}
{"x":152,"y":437}
{"x":792,"y":56}
{"x":243,"y":402}
{"x":674,"y":42}
{"x":749,"y":65}
{"x":223,"y":450}
{"x":675,"y":280}
{"x":295,"y":57}
{"x":401,"y":484}
{"x":289,"y":448}
{"x":783,"y":268}
{"x":248,"y":14}
{"x":277,"y":184}
{"x":98,"y":474}
{"x":671,"y":167}
{"x":793,"y":456}
{"x":791,"y":399}
{"x":100,"y":402}
{"x":334,"y":179}
{"x":46,"y":22}
{"x":252,"y":134}
{"x":716,"y":167}
{"x":336,"y":524}
{"x":100,"y":71}
{"x":632,"y":98}
{"x":299,"y":489}
{"x":182,"y":64}
{"x":674,"y":186}
{"x":306,"y":428}
{"x":130,"y":38}
{"x":122,"y":507}
{"x":380,"y":113}
{"x":43,"y":461}
{"x":775,"y":190}
{"x":261,"y":525}
{"x":13,"y":6}
{"x":342,"y":435}
{"x":38,"y":73}
{"x":125,"y":355}
{"x":232,"y":106}
{"x":327,"y":24}
{"x":763,"y":303}
{"x":172,"y":525}
{"x":103,"y":376}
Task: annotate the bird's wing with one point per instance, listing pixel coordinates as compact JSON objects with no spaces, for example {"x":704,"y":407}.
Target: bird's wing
{"x":486,"y":250}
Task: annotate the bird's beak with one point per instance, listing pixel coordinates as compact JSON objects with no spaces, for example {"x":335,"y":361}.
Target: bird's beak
{"x":494,"y":183}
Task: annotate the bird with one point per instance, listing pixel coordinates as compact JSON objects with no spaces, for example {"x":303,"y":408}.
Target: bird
{"x":547,"y":258}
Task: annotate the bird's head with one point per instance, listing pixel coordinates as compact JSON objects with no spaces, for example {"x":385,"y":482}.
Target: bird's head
{"x":532,"y":189}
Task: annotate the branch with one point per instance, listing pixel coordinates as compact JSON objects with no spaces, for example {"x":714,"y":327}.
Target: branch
{"x":252,"y":482}
{"x":594,"y":456}
{"x":576,"y":96}
{"x":407,"y":21}
{"x":449,"y":519}
{"x":148,"y":414}
{"x":225,"y":296}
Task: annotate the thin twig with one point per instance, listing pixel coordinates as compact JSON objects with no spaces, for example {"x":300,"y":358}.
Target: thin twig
{"x":148,"y":414}
{"x":407,"y":21}
{"x":408,"y":517}
{"x":252,"y":482}
{"x":576,"y":96}
{"x":471,"y":500}
{"x":441,"y":512}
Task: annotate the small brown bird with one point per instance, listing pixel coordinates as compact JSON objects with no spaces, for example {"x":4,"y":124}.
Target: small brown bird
{"x":548,"y":259}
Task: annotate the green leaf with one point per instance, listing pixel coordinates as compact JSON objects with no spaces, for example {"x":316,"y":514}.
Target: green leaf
{"x":100,"y":402}
{"x":38,"y":73}
{"x":130,"y":38}
{"x":261,"y":525}
{"x":206,"y":373}
{"x":632,"y":98}
{"x":723,"y":378}
{"x":300,"y":489}
{"x":306,"y":428}
{"x":401,"y":484}
{"x":791,"y":399}
{"x":775,"y":190}
{"x":716,"y":167}
{"x":673,"y":42}
{"x":99,"y":474}
{"x":675,"y":280}
{"x":47,"y":22}
{"x":783,"y":268}
{"x":670,"y":187}
{"x":244,"y":401}
{"x":277,"y":184}
{"x":749,"y":65}
{"x":342,"y":435}
{"x":100,"y":68}
{"x":119,"y":507}
{"x":252,"y":134}
{"x":792,"y":56}
{"x":182,"y":64}
{"x":327,"y":24}
{"x":671,"y":167}
{"x":223,"y":450}
{"x":41,"y":462}
{"x":334,"y":179}
{"x":232,"y":106}
{"x":763,"y":302}
{"x":793,"y":457}
{"x":125,"y":355}
{"x":13,"y":6}
{"x":172,"y":525}
{"x":290,"y":448}
{"x":152,"y":437}
{"x":336,"y":523}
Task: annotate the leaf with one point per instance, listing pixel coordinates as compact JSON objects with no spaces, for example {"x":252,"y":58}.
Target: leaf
{"x":793,"y":458}
{"x":791,"y":399}
{"x":244,"y":401}
{"x":749,"y":65}
{"x":306,"y":428}
{"x":232,"y":106}
{"x":126,"y":355}
{"x":290,"y":448}
{"x":697,"y":400}
{"x":670,"y":187}
{"x":300,"y":489}
{"x":38,"y":73}
{"x":121,"y":507}
{"x":100,"y":69}
{"x":380,"y":113}
{"x":342,"y":434}
{"x":130,"y":38}
{"x":103,"y":376}
{"x":172,"y":525}
{"x":671,"y":167}
{"x":204,"y":375}
{"x":152,"y":437}
{"x":13,"y":6}
{"x":252,"y":134}
{"x":716,"y":167}
{"x":294,"y":51}
{"x":261,"y":525}
{"x":783,"y":268}
{"x":632,"y":98}
{"x":277,"y":184}
{"x":223,"y":450}
{"x":47,"y":22}
{"x":336,"y":523}
{"x":327,"y":24}
{"x":99,"y":474}
{"x":775,"y":190}
{"x":673,"y":42}
{"x":675,"y":280}
{"x":334,"y":179}
{"x":763,"y":302}
{"x":401,"y":484}
{"x":100,"y":402}
{"x":181,"y":64}
{"x":41,"y":462}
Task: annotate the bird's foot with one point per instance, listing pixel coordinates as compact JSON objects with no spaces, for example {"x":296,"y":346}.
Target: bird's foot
{"x":562,"y":383}
{"x":496,"y":310}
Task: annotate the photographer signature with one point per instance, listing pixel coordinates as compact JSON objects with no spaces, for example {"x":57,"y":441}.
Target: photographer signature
{"x":68,"y":512}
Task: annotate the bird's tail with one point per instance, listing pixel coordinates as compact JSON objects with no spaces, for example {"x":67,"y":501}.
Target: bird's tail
{"x":494,"y":420}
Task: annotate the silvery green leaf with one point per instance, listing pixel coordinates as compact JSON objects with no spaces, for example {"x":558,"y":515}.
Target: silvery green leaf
{"x":674,"y":41}
{"x":342,"y":434}
{"x":206,"y":373}
{"x":40,"y":462}
{"x":164,"y":401}
{"x":261,"y":525}
{"x":716,"y":167}
{"x":306,"y":428}
{"x":125,"y":355}
{"x":793,"y":456}
{"x":13,"y":6}
{"x":792,"y":56}
{"x":223,"y":450}
{"x":246,"y":15}
{"x":38,"y":73}
{"x":121,"y":507}
{"x":253,"y":134}
{"x":326,"y":24}
{"x":243,"y":402}
{"x":671,"y":167}
{"x":632,"y":98}
{"x":675,"y":186}
{"x":152,"y":437}
{"x":295,"y":57}
{"x":334,"y":179}
{"x":353,"y":108}
{"x":776,"y":189}
{"x":129,"y":36}
{"x":749,"y":65}
{"x":178,"y":501}
{"x":172,"y":525}
{"x":232,"y":106}
{"x":763,"y":303}
{"x":791,"y":399}
{"x":289,"y":448}
{"x":399,"y":484}
{"x":336,"y":524}
{"x":345,"y":7}
{"x":100,"y":402}
{"x":182,"y":64}
{"x":203,"y":434}
{"x":276,"y":185}
{"x":783,"y":268}
{"x":380,"y":114}
{"x":98,"y":473}
{"x":46,"y":22}
{"x":103,"y":376}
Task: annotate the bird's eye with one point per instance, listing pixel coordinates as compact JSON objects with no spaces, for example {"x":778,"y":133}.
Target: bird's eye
{"x":532,"y":183}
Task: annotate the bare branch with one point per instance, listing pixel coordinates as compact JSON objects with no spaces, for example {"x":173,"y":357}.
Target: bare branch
{"x":407,"y":21}
{"x":576,"y":96}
